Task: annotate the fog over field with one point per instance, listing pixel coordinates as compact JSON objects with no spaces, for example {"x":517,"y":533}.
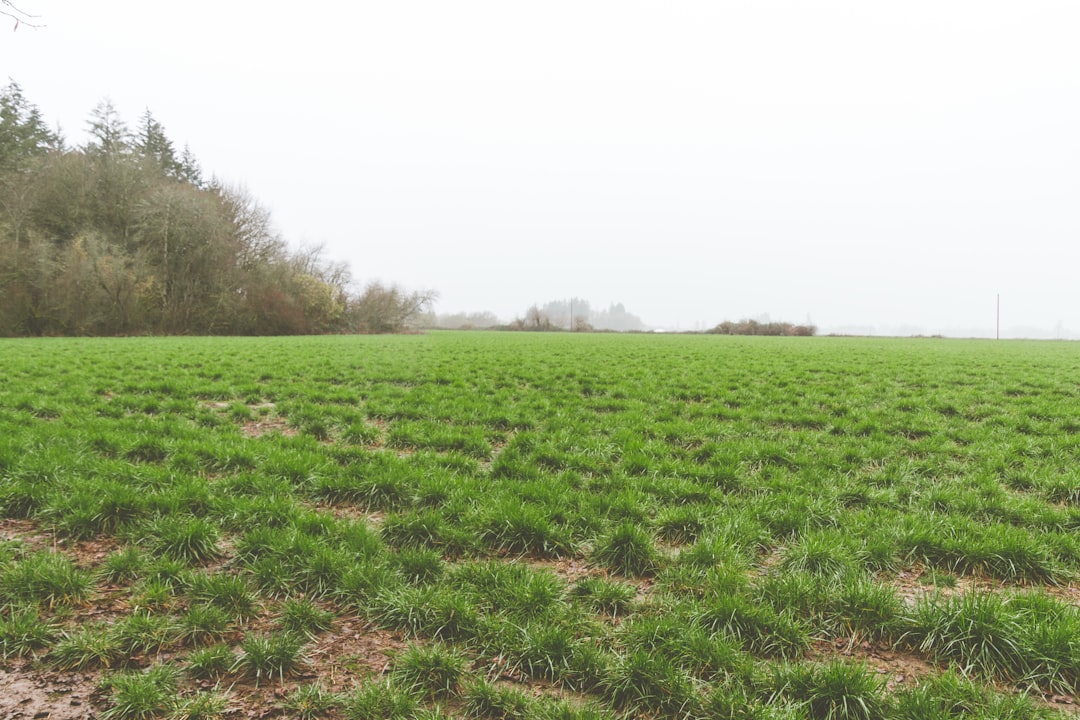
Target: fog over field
{"x":873,"y":168}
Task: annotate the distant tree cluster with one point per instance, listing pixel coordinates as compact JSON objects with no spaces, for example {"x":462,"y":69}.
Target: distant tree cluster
{"x":535,"y":320}
{"x":578,"y":315}
{"x":124,"y":235}
{"x":754,"y":327}
{"x":462,"y":321}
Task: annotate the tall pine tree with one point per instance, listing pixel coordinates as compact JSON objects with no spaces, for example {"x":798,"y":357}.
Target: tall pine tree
{"x":23,"y":134}
{"x":156,"y":148}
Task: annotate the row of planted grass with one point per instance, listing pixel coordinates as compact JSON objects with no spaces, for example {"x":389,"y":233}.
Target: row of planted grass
{"x":630,"y":525}
{"x":533,"y":628}
{"x":425,"y":681}
{"x":745,"y":498}
{"x":1020,"y":635}
{"x":668,"y":656}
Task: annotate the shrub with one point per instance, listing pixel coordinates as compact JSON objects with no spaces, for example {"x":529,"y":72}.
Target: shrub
{"x":756,"y":327}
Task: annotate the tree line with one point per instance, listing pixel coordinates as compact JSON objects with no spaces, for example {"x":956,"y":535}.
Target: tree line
{"x":124,"y":235}
{"x":578,"y":315}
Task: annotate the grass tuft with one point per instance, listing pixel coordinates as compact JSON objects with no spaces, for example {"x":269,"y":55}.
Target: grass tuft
{"x":269,"y":656}
{"x":88,"y":647}
{"x":125,"y":565}
{"x":187,"y":539}
{"x":202,"y":623}
{"x":641,"y":681}
{"x":603,"y":595}
{"x":302,"y":617}
{"x":211,"y":662}
{"x":230,"y":593}
{"x":481,"y":699}
{"x":309,"y":702}
{"x":210,"y":705}
{"x":140,"y":695}
{"x":45,"y":578}
{"x":380,"y":700}
{"x":757,"y":627}
{"x":627,"y":550}
{"x":833,"y":691}
{"x":433,"y":671}
{"x":22,"y":631}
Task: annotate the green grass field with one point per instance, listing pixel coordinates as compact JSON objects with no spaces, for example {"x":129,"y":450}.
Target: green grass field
{"x":542,"y":526}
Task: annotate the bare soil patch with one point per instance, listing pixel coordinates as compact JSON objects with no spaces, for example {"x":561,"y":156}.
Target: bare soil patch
{"x":29,"y":692}
{"x":349,"y":653}
{"x":914,"y":583}
{"x":263,"y":426}
{"x":27,"y":533}
{"x":349,"y":511}
{"x":899,"y":668}
{"x":568,"y":569}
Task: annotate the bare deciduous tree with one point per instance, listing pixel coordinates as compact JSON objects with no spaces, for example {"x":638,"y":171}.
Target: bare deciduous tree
{"x":387,"y":309}
{"x":535,"y":319}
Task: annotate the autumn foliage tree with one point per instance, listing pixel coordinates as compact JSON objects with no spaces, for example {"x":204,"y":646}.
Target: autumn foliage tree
{"x":123,"y":236}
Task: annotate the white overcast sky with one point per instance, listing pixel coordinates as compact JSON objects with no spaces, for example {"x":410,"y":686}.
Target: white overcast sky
{"x":888,"y":167}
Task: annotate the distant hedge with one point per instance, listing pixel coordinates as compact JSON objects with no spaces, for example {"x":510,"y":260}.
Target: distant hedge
{"x":753,"y":327}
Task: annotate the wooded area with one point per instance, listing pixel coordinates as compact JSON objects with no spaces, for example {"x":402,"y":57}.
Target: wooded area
{"x":124,"y":235}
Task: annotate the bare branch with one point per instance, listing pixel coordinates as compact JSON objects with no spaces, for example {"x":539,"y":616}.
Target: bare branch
{"x":21,"y":17}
